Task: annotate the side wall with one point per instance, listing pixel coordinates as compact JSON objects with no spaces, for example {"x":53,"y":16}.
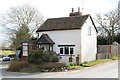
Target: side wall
{"x":88,"y":42}
{"x":65,"y":37}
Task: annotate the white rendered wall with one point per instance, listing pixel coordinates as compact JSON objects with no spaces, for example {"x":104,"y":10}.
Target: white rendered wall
{"x":65,"y":37}
{"x":88,"y":42}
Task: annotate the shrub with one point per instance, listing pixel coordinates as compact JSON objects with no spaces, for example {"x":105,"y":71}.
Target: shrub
{"x":82,"y":64}
{"x":16,"y":66}
{"x":25,"y":65}
{"x":40,"y":56}
{"x":36,"y":57}
{"x":71,"y":64}
{"x":50,"y":66}
{"x":50,"y":56}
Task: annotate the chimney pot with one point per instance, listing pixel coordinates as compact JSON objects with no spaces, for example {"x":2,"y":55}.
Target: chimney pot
{"x":78,"y":9}
{"x":72,"y":9}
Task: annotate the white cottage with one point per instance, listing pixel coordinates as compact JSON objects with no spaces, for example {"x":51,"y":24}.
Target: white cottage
{"x":73,"y":36}
{"x":70,"y":36}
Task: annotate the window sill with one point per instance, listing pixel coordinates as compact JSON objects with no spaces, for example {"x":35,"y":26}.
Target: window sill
{"x":66,"y":55}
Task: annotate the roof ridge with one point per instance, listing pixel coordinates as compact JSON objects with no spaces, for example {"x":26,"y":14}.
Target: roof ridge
{"x":69,"y":17}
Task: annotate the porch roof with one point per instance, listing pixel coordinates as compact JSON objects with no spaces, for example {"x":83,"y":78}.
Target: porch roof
{"x":45,"y":39}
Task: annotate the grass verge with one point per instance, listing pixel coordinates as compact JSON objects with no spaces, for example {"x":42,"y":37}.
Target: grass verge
{"x":88,"y":64}
{"x":115,"y":57}
{"x":76,"y":67}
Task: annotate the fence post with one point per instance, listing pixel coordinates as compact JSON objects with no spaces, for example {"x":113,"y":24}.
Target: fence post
{"x":110,"y":50}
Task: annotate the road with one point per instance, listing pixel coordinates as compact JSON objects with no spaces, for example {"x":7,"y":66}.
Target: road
{"x":104,"y":70}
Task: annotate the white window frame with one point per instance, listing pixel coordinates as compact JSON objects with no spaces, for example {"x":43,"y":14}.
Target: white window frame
{"x":24,"y":43}
{"x":73,"y":50}
{"x":69,"y":50}
{"x":25,"y":53}
{"x":25,"y":47}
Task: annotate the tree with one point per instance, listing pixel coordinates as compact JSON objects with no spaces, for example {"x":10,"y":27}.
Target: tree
{"x":19,"y":17}
{"x":102,"y":40}
{"x":109,"y":22}
{"x":21,"y":35}
{"x":117,"y":38}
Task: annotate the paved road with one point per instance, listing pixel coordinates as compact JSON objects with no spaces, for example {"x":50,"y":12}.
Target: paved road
{"x":104,"y":70}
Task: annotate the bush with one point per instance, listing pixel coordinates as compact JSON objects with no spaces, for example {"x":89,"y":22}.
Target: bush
{"x":71,"y":64}
{"x":36,"y":57}
{"x":40,"y":56}
{"x":50,"y":56}
{"x":17,"y":66}
{"x":82,"y":64}
{"x":51,"y":67}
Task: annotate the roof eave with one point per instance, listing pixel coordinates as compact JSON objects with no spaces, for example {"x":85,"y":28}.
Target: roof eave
{"x":94,"y":24}
{"x":57,"y":29}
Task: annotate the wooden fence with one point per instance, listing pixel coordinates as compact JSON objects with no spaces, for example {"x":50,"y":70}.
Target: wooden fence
{"x":107,"y":51}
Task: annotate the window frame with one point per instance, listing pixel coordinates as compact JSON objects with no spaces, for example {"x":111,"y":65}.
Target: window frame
{"x":68,"y":49}
{"x":62,"y":50}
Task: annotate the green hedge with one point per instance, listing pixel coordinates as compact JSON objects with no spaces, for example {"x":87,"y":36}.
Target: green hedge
{"x":16,"y":66}
{"x":40,"y":56}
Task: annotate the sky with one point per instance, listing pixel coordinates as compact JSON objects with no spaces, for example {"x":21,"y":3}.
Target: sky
{"x":60,"y":8}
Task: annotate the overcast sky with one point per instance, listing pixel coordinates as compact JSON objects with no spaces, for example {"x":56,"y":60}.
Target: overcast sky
{"x":61,"y":8}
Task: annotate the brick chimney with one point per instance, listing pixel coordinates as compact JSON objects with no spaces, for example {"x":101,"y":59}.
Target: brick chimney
{"x":75,"y":13}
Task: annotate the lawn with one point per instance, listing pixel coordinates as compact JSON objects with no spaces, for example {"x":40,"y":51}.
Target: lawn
{"x":88,"y":64}
{"x":116,"y":57}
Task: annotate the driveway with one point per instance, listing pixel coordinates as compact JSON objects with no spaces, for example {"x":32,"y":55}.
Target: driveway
{"x":103,"y":70}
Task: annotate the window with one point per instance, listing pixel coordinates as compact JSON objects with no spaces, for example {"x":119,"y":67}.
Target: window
{"x":66,"y":50}
{"x":24,"y":43}
{"x":61,"y":50}
{"x":71,"y":51}
{"x":89,"y":30}
{"x":25,"y":47}
{"x":25,"y":53}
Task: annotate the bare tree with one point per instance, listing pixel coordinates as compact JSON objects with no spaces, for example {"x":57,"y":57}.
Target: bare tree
{"x":109,"y":22}
{"x":21,"y":15}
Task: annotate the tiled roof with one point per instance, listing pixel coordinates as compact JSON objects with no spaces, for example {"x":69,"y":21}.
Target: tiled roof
{"x":45,"y":39}
{"x":65,"y":23}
